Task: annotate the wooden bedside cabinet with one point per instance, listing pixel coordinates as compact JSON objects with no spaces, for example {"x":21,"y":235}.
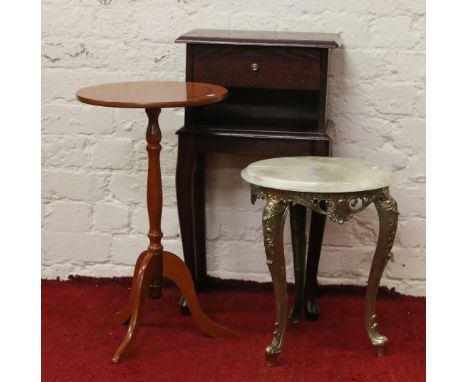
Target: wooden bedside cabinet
{"x":277,"y":84}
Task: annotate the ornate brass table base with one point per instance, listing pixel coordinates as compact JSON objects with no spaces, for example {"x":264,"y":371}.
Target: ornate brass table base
{"x":339,"y":207}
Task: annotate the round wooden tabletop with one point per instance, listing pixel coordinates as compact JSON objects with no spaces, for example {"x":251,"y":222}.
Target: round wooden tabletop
{"x":151,"y":94}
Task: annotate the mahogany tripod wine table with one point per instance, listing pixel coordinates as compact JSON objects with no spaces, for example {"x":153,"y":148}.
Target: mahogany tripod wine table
{"x":154,"y":262}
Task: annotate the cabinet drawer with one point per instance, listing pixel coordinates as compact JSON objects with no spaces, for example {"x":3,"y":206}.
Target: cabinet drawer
{"x":257,"y":66}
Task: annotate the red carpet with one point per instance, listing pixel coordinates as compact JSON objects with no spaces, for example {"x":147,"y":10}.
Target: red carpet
{"x":79,"y":338}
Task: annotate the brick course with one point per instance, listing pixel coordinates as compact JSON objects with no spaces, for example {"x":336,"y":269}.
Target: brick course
{"x":94,"y":159}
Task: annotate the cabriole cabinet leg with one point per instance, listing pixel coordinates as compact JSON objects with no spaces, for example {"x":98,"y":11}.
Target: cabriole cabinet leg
{"x":297,"y":216}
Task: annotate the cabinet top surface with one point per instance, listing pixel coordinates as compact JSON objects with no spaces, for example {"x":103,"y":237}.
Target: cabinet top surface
{"x":266,"y":38}
{"x":151,"y":94}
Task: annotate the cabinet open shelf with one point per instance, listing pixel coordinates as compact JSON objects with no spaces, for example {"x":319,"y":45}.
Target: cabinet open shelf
{"x":261,"y":109}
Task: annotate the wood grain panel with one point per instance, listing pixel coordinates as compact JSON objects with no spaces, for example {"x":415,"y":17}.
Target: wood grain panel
{"x":278,"y":68}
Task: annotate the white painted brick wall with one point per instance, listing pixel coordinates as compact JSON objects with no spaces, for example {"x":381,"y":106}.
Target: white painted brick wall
{"x":94,"y":159}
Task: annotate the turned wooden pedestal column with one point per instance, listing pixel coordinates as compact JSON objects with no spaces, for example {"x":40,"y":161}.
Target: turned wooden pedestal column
{"x":154,"y":197}
{"x":154,"y":262}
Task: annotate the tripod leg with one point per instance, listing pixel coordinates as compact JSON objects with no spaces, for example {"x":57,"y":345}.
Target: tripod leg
{"x":146,"y":273}
{"x":176,"y":270}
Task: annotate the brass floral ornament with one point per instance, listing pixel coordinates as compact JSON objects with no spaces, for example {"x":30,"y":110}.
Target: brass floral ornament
{"x":339,"y":207}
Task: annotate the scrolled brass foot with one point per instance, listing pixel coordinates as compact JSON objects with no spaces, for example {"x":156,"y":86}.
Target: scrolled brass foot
{"x":379,"y":341}
{"x":271,"y":354}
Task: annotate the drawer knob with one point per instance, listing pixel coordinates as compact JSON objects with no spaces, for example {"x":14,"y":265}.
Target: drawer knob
{"x":254,"y":67}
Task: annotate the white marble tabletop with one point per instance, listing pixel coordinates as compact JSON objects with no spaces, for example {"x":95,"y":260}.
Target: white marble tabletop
{"x":317,"y":174}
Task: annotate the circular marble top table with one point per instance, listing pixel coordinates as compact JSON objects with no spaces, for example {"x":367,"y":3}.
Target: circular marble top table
{"x":317,"y":174}
{"x":154,"y":262}
{"x":337,"y":188}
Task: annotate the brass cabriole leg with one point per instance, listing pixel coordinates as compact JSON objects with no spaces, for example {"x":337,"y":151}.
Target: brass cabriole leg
{"x":388,"y":220}
{"x":297,"y":216}
{"x":273,"y":218}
